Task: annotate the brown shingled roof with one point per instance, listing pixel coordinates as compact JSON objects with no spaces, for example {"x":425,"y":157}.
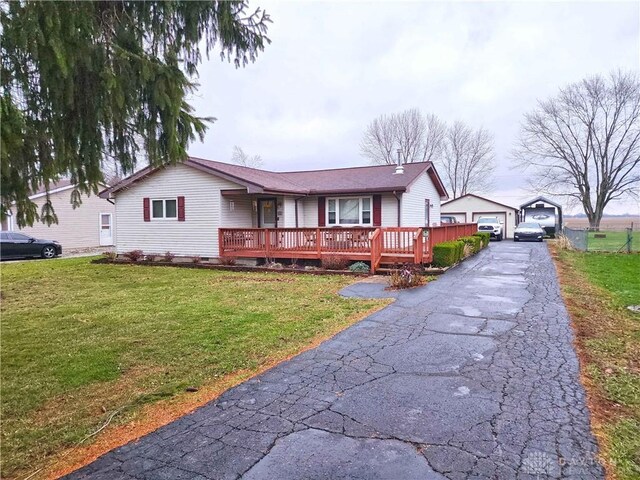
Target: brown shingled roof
{"x":379,"y":178}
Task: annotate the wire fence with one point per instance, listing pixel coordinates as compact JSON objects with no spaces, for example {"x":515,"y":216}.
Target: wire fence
{"x":604,"y":240}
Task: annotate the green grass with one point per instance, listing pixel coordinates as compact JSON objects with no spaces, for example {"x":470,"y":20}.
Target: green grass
{"x":80,"y":340}
{"x":613,"y":241}
{"x":598,"y":288}
{"x":625,"y":448}
{"x":618,"y":274}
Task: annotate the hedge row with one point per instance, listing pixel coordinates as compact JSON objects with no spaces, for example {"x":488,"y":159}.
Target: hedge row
{"x":446,"y":254}
{"x":473,"y":241}
{"x":486,"y":238}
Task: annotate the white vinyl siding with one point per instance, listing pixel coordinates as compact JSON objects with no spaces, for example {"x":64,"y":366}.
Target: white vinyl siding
{"x":204,"y":212}
{"x":413,"y":203}
{"x":76,"y":228}
{"x":308,"y":212}
{"x":288,"y":217}
{"x":389,"y":211}
{"x":236,"y":211}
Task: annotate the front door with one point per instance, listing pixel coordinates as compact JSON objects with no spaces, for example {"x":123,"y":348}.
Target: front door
{"x":106,"y":229}
{"x":268,"y":216}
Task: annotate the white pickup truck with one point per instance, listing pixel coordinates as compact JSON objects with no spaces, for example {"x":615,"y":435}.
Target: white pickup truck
{"x":491,"y":225}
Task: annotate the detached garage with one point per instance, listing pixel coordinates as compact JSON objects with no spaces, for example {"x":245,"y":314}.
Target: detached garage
{"x":470,"y":207}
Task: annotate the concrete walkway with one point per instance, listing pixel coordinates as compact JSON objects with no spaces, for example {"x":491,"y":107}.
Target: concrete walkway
{"x":470,"y":377}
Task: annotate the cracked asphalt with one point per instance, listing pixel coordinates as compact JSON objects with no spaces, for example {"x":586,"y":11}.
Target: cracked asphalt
{"x":471,"y":377}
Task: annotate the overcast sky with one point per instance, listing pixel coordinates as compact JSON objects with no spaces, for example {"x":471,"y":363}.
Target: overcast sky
{"x":334,"y":66}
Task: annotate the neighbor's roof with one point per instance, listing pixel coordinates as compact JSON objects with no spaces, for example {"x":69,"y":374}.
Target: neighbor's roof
{"x":481,"y":198}
{"x":378,"y":178}
{"x":541,"y":199}
{"x":54,"y":187}
{"x":59,"y":186}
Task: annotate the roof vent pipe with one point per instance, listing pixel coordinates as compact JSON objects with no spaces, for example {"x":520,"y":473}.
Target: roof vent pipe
{"x":399,"y":167}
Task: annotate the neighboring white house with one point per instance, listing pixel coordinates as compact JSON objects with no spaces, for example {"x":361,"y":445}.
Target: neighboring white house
{"x":89,"y":225}
{"x":180,"y":208}
{"x":468,"y":208}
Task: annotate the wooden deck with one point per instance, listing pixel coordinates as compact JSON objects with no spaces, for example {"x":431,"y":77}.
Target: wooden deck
{"x":374,"y":245}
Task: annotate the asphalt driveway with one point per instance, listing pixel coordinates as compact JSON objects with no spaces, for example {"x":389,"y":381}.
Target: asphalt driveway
{"x":473,"y":376}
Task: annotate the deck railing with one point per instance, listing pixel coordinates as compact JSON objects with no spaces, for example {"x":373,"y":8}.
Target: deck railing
{"x":401,"y":244}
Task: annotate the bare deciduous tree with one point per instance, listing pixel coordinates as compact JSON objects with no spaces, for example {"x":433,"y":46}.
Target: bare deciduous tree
{"x":379,"y":142}
{"x":434,"y":138}
{"x":467,"y":160}
{"x":239,"y":157}
{"x":585,"y":142}
{"x":465,"y":156}
{"x":418,"y":138}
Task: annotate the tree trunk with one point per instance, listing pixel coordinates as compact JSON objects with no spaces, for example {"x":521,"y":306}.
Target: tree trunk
{"x":594,"y":219}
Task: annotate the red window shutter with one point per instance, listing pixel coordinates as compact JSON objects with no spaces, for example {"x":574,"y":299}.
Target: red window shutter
{"x":181,"y":209}
{"x":321,"y":212}
{"x":146,"y":209}
{"x":377,"y":210}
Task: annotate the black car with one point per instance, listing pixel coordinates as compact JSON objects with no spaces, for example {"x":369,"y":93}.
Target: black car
{"x":19,"y":245}
{"x":528,"y":231}
{"x":448,"y":219}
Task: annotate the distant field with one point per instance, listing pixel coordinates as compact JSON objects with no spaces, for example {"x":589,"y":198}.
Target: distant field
{"x":608,"y":223}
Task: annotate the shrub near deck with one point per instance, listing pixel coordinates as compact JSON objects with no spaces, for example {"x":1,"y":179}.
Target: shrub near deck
{"x":446,"y":254}
{"x":474,"y":242}
{"x":486,"y":237}
{"x":81,"y":341}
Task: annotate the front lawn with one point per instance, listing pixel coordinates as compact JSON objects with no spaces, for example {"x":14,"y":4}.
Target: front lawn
{"x":597,"y":288}
{"x":81,"y":342}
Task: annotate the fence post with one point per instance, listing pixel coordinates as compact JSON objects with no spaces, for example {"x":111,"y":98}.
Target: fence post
{"x":629,"y":238}
{"x":586,"y":239}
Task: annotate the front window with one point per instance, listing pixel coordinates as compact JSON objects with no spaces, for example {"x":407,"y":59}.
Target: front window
{"x":332,"y":212}
{"x":366,"y":211}
{"x":349,"y":211}
{"x":164,"y":208}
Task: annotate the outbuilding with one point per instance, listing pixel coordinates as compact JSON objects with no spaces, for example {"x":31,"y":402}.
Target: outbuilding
{"x":470,"y":207}
{"x":543,"y":211}
{"x":90,"y":225}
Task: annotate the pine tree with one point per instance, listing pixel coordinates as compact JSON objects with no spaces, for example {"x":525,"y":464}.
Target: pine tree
{"x":85,"y":83}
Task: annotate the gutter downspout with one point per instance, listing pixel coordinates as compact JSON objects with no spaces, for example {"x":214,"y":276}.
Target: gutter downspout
{"x":398,"y":197}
